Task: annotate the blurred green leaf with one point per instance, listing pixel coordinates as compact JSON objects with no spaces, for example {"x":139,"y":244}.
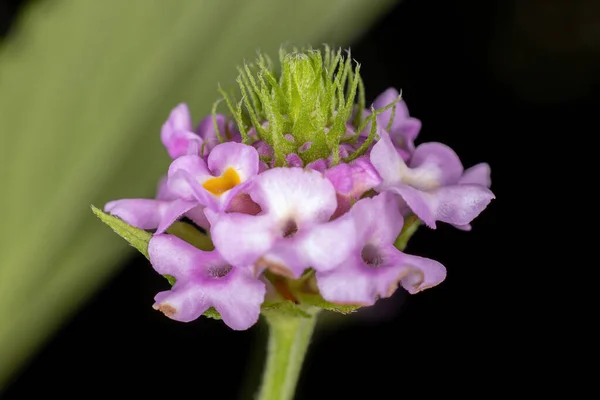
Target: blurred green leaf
{"x":84,"y":89}
{"x":136,"y":237}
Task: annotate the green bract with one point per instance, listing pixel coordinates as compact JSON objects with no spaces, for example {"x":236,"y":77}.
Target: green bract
{"x":304,"y":108}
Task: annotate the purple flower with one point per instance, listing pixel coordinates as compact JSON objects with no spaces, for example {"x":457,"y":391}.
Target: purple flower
{"x":355,"y":178}
{"x":216,"y":182}
{"x":179,"y":138}
{"x":156,"y":213}
{"x":375,"y":267}
{"x":300,"y":184}
{"x":431,"y":184}
{"x":479,"y":174}
{"x":351,"y":181}
{"x":292,"y":232}
{"x":404,"y":129}
{"x":204,"y":280}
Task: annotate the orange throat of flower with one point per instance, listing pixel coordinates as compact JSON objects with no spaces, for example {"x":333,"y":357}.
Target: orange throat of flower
{"x":223,"y":183}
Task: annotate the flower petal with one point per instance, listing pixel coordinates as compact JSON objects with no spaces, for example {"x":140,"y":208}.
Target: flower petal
{"x":284,"y":258}
{"x":241,"y":238}
{"x":197,"y":216}
{"x":328,"y":244}
{"x":141,"y":213}
{"x":304,"y":194}
{"x":185,"y":173}
{"x":413,"y":273}
{"x":206,"y":130}
{"x":184,"y":302}
{"x":479,"y":174}
{"x":355,"y":282}
{"x":176,"y":133}
{"x":384,"y":99}
{"x":173,"y":212}
{"x":418,"y":273}
{"x":404,"y":129}
{"x":387,"y":161}
{"x":349,"y":283}
{"x":465,"y":228}
{"x":237,"y":297}
{"x":364,"y":177}
{"x":457,"y":204}
{"x":173,"y":256}
{"x":163,"y":192}
{"x":434,"y":164}
{"x":340,"y":177}
{"x":318,"y":165}
{"x":263,"y":149}
{"x":242,"y":203}
{"x":377,"y":217}
{"x":240,"y":157}
{"x":294,"y":160}
{"x":405,"y":132}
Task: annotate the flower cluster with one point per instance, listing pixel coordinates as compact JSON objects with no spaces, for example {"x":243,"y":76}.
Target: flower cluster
{"x":301,"y":185}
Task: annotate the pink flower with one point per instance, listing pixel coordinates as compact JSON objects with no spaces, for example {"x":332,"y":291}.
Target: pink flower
{"x":218,"y":181}
{"x":179,"y":137}
{"x":430,"y":185}
{"x":157,"y":213}
{"x":374,"y":267}
{"x":204,"y":280}
{"x":292,"y":232}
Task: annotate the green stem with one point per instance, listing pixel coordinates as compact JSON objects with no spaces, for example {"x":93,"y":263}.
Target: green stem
{"x":289,"y":337}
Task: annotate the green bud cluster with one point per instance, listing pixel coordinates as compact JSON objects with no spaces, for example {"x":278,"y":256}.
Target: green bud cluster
{"x":304,"y":107}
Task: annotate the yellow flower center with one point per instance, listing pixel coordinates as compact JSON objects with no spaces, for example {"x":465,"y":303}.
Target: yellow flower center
{"x":223,"y":183}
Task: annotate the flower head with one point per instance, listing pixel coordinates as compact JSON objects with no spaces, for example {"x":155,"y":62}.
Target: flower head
{"x":307,"y":196}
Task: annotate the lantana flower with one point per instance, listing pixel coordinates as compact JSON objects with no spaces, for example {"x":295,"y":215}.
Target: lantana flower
{"x":203,"y":280}
{"x":179,"y":137}
{"x":375,"y":267}
{"x":215,"y":183}
{"x":158,"y":213}
{"x":292,"y":232}
{"x":306,"y":196}
{"x":430,"y":184}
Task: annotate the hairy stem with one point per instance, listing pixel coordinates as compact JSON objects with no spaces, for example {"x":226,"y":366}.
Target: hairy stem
{"x":289,"y":337}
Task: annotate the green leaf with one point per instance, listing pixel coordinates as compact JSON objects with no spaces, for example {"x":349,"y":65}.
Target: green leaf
{"x":136,"y":237}
{"x":81,"y":108}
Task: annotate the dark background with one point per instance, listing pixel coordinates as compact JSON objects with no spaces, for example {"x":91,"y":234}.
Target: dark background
{"x":489,"y":79}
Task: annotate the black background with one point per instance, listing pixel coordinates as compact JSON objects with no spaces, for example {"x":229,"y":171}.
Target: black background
{"x":486,"y":78}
